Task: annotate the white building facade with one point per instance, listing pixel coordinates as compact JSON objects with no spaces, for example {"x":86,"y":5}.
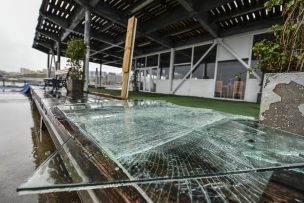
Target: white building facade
{"x":217,"y":69}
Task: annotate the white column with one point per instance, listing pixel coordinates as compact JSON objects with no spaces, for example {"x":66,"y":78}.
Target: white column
{"x":171,"y":68}
{"x":58,"y":56}
{"x":100,"y":75}
{"x":48,"y":66}
{"x":87,"y":29}
{"x":97,"y":80}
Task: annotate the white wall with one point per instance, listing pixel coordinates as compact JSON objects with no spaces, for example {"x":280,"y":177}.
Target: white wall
{"x":197,"y":88}
{"x":252,"y":90}
{"x":184,"y":89}
{"x":202,"y":88}
{"x":241,"y":45}
{"x":163,"y":86}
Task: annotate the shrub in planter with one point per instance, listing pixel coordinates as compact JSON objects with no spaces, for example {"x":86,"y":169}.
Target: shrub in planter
{"x":75,"y":53}
{"x":286,"y":52}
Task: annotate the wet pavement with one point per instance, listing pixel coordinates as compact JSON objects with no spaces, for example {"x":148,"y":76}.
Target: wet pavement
{"x":23,"y":147}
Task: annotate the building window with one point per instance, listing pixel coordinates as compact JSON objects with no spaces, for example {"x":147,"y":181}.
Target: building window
{"x":180,"y":71}
{"x":153,"y":79}
{"x":164,"y":66}
{"x":183,"y":56}
{"x":254,"y":61}
{"x":141,"y":62}
{"x":206,"y":68}
{"x":254,"y":64}
{"x":227,"y":85}
{"x":152,"y":61}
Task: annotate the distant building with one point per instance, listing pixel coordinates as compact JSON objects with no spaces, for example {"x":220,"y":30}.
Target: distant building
{"x":106,"y":78}
{"x":26,"y":71}
{"x":33,"y":73}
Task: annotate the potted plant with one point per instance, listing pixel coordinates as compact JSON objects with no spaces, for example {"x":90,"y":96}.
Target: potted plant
{"x":75,"y":53}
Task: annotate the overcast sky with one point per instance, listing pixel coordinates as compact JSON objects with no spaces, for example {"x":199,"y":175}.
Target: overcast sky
{"x":18,"y":20}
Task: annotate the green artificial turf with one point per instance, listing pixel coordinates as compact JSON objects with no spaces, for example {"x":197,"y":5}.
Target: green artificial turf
{"x":233,"y":107}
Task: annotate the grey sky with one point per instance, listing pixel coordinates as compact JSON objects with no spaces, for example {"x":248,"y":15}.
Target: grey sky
{"x":18,"y":19}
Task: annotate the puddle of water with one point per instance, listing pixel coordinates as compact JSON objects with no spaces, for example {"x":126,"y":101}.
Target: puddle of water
{"x":23,"y":147}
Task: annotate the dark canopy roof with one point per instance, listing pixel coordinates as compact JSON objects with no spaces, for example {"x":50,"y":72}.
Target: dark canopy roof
{"x":162,"y":24}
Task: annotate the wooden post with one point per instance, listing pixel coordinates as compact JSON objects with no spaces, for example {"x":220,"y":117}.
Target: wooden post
{"x":128,"y":56}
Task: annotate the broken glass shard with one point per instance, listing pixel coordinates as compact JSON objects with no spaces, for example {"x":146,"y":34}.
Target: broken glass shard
{"x":155,"y":142}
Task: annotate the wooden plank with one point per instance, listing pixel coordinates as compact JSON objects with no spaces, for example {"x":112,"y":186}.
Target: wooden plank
{"x":128,"y":55}
{"x":107,"y":95}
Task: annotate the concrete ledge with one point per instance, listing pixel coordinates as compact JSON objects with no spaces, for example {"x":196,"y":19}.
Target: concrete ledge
{"x":282,"y":104}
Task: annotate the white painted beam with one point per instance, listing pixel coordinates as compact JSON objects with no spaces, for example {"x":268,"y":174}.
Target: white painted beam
{"x":194,"y":67}
{"x":232,"y":52}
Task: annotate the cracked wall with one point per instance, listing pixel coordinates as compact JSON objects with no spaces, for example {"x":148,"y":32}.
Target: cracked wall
{"x":282,"y":104}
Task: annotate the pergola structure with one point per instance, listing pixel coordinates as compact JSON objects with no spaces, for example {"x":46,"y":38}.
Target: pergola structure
{"x":162,"y":24}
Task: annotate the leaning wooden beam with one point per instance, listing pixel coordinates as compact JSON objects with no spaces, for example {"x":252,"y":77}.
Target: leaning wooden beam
{"x":128,"y":56}
{"x":107,"y":95}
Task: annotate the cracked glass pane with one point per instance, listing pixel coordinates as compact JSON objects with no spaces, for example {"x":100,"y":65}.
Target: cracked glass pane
{"x":145,"y":143}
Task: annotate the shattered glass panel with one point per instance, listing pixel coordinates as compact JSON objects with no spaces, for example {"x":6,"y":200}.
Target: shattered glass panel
{"x":241,"y":188}
{"x":157,"y":143}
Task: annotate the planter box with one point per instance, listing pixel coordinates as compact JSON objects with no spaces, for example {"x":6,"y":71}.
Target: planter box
{"x":75,"y":88}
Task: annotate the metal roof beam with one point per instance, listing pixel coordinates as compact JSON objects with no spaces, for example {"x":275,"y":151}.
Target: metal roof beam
{"x":45,"y":44}
{"x":193,"y":6}
{"x":106,"y":27}
{"x":206,"y":5}
{"x":54,"y":19}
{"x":97,"y":36}
{"x":78,"y":16}
{"x":257,"y":25}
{"x":173,"y":16}
{"x":48,"y":34}
{"x":239,"y":13}
{"x":103,"y":9}
{"x":93,"y":48}
{"x":139,"y":5}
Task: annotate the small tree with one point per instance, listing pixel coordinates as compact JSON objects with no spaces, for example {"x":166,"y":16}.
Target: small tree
{"x":75,"y":53}
{"x":286,"y":52}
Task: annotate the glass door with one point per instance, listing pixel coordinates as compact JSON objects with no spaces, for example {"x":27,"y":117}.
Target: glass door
{"x":141,"y":80}
{"x":147,"y":87}
{"x":153,"y":79}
